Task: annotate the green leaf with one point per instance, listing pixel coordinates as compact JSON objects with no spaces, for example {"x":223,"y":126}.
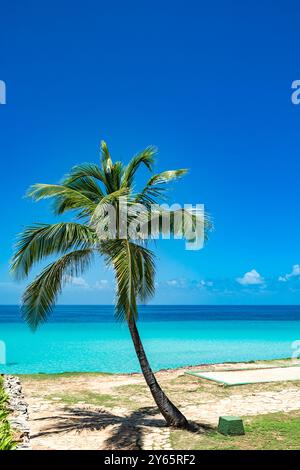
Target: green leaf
{"x":41,"y":294}
{"x":134,"y":270}
{"x":65,"y":198}
{"x":82,"y":171}
{"x":41,"y":240}
{"x":156,"y":186}
{"x":145,"y":157}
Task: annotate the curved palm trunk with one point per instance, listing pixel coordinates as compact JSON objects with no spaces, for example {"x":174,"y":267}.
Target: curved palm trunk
{"x":169,"y":411}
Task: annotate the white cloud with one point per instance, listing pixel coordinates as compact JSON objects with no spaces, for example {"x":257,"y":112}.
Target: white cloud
{"x":102,"y":284}
{"x":184,"y":283}
{"x":252,"y":278}
{"x":204,"y":283}
{"x":82,"y":283}
{"x":173,"y":283}
{"x":78,"y":281}
{"x":180,"y":282}
{"x":296,"y":270}
{"x":295,"y":273}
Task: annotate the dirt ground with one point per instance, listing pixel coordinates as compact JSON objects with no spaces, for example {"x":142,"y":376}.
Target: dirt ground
{"x":99,"y":411}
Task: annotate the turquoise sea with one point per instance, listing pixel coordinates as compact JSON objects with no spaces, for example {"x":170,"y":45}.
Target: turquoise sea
{"x":87,"y":338}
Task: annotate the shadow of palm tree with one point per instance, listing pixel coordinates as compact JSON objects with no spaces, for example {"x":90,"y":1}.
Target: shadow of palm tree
{"x":130,"y":430}
{"x":126,"y":432}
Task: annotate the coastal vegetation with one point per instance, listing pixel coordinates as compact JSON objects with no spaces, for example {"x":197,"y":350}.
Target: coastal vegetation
{"x":274,"y":431}
{"x":89,"y":192}
{"x":6,"y":437}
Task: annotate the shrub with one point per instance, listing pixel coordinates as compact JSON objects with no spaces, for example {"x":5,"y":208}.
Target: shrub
{"x":6,"y":438}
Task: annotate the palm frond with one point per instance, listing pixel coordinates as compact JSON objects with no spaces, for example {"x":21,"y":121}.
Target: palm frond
{"x":145,"y":157}
{"x":146,"y":268}
{"x":65,"y":198}
{"x":157,"y":185}
{"x":116,"y":175}
{"x":134,"y":271}
{"x":112,"y":172}
{"x":82,"y":171}
{"x":42,"y":240}
{"x":105,"y":157}
{"x":86,"y":186}
{"x":41,"y":294}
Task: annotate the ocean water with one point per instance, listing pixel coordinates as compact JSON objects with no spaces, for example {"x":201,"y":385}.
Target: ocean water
{"x":87,"y":338}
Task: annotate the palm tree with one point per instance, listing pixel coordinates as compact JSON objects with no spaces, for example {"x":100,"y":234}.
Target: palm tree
{"x":87,"y":191}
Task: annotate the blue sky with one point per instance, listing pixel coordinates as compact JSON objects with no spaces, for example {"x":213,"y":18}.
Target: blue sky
{"x":209,"y":83}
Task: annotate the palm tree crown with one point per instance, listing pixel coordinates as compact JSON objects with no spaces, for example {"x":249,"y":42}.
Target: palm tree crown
{"x":86,"y":191}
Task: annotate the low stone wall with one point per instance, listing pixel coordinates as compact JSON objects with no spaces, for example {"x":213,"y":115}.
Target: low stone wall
{"x":17,"y":407}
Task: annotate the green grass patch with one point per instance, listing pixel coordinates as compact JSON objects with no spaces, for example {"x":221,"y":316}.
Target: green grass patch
{"x":61,"y":375}
{"x":6,"y":438}
{"x":91,"y":398}
{"x":276,"y":431}
{"x":133,"y":389}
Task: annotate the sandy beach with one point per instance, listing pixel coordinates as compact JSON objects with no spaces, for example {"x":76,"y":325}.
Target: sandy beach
{"x":107,"y":411}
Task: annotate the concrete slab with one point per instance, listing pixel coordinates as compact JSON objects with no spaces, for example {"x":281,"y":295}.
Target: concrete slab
{"x":250,"y":376}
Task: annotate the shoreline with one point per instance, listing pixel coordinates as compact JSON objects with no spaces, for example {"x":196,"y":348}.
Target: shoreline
{"x":215,"y":365}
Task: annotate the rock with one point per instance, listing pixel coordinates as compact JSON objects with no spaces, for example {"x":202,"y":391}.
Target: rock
{"x":18,"y":410}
